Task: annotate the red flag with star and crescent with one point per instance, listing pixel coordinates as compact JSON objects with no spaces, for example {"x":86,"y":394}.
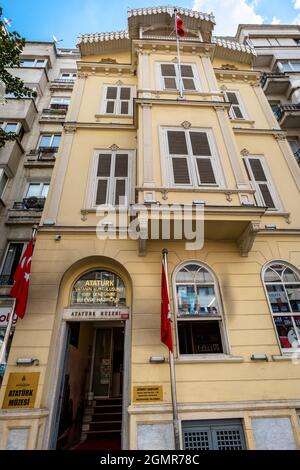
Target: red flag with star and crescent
{"x":166,"y":330}
{"x":21,"y":280}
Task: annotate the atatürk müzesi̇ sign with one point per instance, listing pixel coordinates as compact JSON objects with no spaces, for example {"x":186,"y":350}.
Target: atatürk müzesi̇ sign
{"x":95,"y":314}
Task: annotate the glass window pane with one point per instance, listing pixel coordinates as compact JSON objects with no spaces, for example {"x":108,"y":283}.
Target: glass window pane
{"x":3,"y":181}
{"x":33,"y":190}
{"x":110,"y":107}
{"x":11,"y":127}
{"x":278,"y":299}
{"x":111,"y":93}
{"x":199,"y":337}
{"x":56,"y":141}
{"x":293,"y":292}
{"x":45,"y":190}
{"x":206,"y":301}
{"x":99,"y":287}
{"x":272,"y":276}
{"x":290,"y":276}
{"x":45,"y":141}
{"x":286,"y":332}
{"x":186,"y":300}
{"x":11,"y":262}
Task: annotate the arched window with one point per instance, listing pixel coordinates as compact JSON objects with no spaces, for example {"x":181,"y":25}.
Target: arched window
{"x":198,"y":311}
{"x":282,"y":284}
{"x":99,"y":287}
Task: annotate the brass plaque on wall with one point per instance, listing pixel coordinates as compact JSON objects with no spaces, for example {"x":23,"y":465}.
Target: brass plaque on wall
{"x":21,"y":390}
{"x":147,"y":393}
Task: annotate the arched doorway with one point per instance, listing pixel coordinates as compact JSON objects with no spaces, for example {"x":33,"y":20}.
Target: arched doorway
{"x":92,"y":384}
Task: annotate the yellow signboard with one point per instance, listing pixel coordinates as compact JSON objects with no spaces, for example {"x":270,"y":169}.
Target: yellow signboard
{"x":21,"y":390}
{"x":147,"y":393}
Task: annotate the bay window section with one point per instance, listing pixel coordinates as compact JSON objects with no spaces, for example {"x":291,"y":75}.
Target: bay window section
{"x":198,"y":311}
{"x":282,"y":285}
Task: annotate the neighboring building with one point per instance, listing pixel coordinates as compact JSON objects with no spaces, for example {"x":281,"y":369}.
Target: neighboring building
{"x":92,"y":328}
{"x":278,"y":58}
{"x":26,"y":164}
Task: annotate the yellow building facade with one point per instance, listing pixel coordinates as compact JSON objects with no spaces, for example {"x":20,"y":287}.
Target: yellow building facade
{"x":134,"y":153}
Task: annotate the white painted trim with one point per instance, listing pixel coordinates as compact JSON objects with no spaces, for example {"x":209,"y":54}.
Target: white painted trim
{"x":274,"y":193}
{"x":241,"y":106}
{"x":286,"y":354}
{"x":166,"y":160}
{"x":160,"y":85}
{"x":91,"y":190}
{"x":117,"y":101}
{"x":222,"y":322}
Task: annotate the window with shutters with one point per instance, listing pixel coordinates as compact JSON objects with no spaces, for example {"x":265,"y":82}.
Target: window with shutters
{"x":117,"y":100}
{"x":112,"y":178}
{"x":237,"y":110}
{"x":192,"y":158}
{"x":260,"y":179}
{"x":223,"y":434}
{"x":282,"y":286}
{"x":198,"y":310}
{"x":169,"y":76}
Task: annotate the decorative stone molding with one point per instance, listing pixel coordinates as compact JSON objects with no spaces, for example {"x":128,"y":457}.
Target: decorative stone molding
{"x":245,"y":152}
{"x":114,"y":147}
{"x":186,"y":124}
{"x":164,"y":193}
{"x":170,"y":10}
{"x":84,"y":214}
{"x":108,"y":61}
{"x":246,"y":240}
{"x":281,"y":136}
{"x":228,"y":196}
{"x":70,"y":128}
{"x":223,"y":87}
{"x":228,"y":67}
{"x":119,"y":83}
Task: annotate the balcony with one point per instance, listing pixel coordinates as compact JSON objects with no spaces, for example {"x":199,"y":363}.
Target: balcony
{"x":6,"y":280}
{"x":22,"y":110}
{"x":43,"y":157}
{"x":62,"y":84}
{"x":275,"y":83}
{"x":27,"y":211}
{"x":288,"y":115}
{"x":56,"y":113}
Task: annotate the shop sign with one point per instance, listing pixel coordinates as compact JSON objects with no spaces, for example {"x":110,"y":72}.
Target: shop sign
{"x":21,"y":390}
{"x":96,"y":314}
{"x":147,"y":393}
{"x":4,"y":317}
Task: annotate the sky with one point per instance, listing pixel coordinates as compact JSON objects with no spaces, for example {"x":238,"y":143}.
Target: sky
{"x":39,"y":20}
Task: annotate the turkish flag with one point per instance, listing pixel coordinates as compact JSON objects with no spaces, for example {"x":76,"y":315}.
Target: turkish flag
{"x":166,"y":330}
{"x":179,"y":26}
{"x":21,"y":280}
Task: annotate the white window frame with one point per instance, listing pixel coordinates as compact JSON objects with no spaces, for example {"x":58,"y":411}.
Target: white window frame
{"x":291,"y":65}
{"x":284,"y":351}
{"x":60,"y":100}
{"x":255,"y":185}
{"x":166,"y":160}
{"x":51,"y":141}
{"x":240,"y":105}
{"x":3,"y":173}
{"x":118,"y":101}
{"x":93,"y":180}
{"x":160,"y":78}
{"x":4,"y":124}
{"x":36,"y":60}
{"x":220,"y":318}
{"x":41,"y":187}
{"x":71,"y":75}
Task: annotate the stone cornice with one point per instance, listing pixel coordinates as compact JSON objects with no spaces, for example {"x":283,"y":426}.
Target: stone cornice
{"x":131,"y":12}
{"x":182,"y":102}
{"x":233,"y":75}
{"x":105,"y":68}
{"x":277,"y":133}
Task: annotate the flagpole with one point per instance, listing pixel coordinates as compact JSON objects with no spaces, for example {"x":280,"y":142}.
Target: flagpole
{"x":178,"y":56}
{"x":7,"y":333}
{"x":172,"y":369}
{"x":11,"y":317}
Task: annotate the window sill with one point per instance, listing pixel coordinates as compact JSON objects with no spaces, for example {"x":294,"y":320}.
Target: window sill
{"x":244,"y":121}
{"x":209,"y":358}
{"x":117,"y":116}
{"x":284,"y":358}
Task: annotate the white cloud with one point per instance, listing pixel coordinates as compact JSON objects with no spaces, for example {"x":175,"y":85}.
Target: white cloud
{"x":229,"y":14}
{"x":275,"y":20}
{"x":297,"y":4}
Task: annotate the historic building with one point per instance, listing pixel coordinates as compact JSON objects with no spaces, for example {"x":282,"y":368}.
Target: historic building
{"x":26,"y":164}
{"x":278,"y":57}
{"x":150,"y":145}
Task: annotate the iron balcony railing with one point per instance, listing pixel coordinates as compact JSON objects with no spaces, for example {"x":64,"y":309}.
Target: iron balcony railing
{"x":30,"y":203}
{"x":44,"y":153}
{"x":280,"y":109}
